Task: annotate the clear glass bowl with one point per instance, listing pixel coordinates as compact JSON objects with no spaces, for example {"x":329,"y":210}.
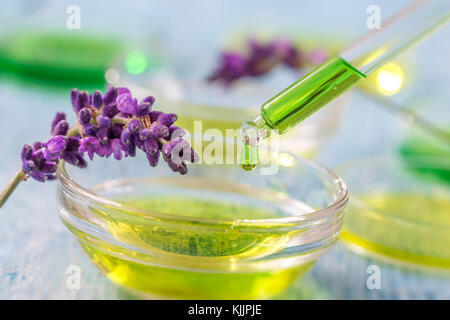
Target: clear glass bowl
{"x":217,"y":233}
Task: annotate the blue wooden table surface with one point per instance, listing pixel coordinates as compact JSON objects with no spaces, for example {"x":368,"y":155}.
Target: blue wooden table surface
{"x":36,"y":250}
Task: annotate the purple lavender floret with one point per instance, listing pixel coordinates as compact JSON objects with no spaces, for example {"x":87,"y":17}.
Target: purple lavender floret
{"x":143,"y":109}
{"x":114,"y":124}
{"x":84,"y":116}
{"x":34,"y":161}
{"x":154,"y":115}
{"x":74,"y":96}
{"x":167,"y":119}
{"x":176,"y":152}
{"x":104,"y":121}
{"x":175,"y":132}
{"x":159,"y":130}
{"x":134,"y":126}
{"x":126,"y":104}
{"x":153,"y":159}
{"x":59,"y":124}
{"x":27,"y":152}
{"x":110,"y":96}
{"x":61,"y":128}
{"x":149,"y":99}
{"x":97,"y":100}
{"x":71,"y":154}
{"x":151,"y":146}
{"x":144,"y":134}
{"x":54,"y":147}
{"x":126,"y":136}
{"x":82,"y":101}
{"x":59,"y":116}
{"x":110,"y":110}
{"x":90,"y":129}
{"x":117,"y":148}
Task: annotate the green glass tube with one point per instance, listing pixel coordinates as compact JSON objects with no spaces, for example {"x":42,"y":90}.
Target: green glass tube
{"x":309,"y":94}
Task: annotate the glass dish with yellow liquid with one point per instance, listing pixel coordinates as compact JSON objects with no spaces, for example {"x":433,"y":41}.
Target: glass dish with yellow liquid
{"x":396,"y":236}
{"x":396,"y":214}
{"x":217,"y":233}
{"x":395,"y":241}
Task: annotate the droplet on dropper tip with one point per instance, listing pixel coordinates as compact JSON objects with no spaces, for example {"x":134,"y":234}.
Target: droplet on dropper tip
{"x":249,"y":166}
{"x":249,"y":157}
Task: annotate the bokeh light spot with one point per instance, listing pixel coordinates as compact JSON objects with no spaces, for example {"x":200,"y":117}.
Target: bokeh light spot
{"x":136,"y":62}
{"x":390,"y":79}
{"x":112,"y":76}
{"x":286,"y":160}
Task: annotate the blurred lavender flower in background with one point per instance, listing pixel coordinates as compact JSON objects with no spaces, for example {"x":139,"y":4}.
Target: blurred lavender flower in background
{"x":261,"y":58}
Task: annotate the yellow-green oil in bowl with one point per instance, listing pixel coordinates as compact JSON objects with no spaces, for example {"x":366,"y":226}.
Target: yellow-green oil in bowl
{"x":169,"y":282}
{"x":219,"y":249}
{"x":407,"y":226}
{"x":223,"y":242}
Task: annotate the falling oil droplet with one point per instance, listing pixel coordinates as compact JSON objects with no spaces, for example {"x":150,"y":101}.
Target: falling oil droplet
{"x":248,"y":167}
{"x":249,"y":157}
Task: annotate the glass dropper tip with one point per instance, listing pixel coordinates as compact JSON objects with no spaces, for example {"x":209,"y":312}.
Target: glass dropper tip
{"x":253,"y":132}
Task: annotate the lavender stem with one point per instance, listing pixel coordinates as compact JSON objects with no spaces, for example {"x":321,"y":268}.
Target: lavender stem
{"x":75,"y":130}
{"x":12,"y":185}
{"x":120,"y":120}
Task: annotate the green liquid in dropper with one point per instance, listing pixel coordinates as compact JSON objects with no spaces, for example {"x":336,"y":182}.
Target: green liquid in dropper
{"x":309,"y":94}
{"x":302,"y":99}
{"x":249,"y":157}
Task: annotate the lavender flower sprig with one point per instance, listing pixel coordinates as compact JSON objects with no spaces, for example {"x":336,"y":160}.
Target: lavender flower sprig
{"x":114,"y":124}
{"x":260,"y":59}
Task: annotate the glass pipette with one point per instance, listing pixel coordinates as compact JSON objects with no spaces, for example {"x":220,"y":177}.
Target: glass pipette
{"x":404,"y":30}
